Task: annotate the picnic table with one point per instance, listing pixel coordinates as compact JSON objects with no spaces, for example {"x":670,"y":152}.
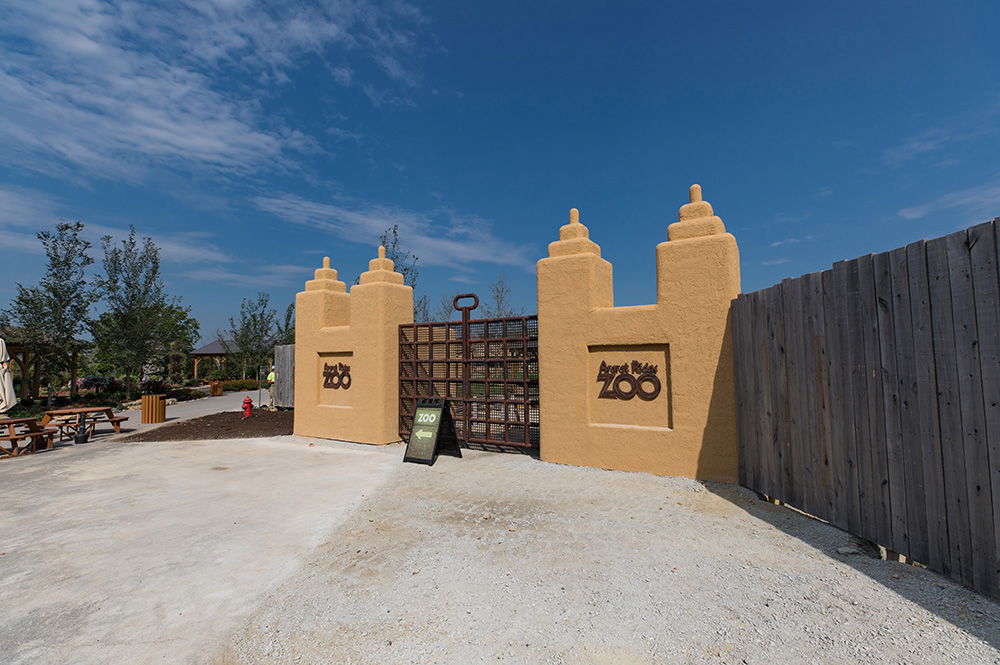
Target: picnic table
{"x":69,"y":421}
{"x":24,"y":436}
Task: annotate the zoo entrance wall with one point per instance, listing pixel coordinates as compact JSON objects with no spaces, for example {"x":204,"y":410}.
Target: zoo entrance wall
{"x":644,"y":388}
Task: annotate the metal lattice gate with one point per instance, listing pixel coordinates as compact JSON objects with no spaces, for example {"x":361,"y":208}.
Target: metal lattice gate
{"x":486,"y":368}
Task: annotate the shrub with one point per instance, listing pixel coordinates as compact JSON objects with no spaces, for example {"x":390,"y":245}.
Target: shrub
{"x":153,"y":387}
{"x":102,"y":384}
{"x":184,"y":394}
{"x":99,"y":399}
{"x":216,"y":375}
{"x":240,"y":385}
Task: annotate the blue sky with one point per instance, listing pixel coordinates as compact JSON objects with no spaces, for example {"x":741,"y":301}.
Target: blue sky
{"x":251,"y":138}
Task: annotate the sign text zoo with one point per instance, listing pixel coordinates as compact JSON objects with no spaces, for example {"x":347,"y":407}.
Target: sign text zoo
{"x":627,"y":380}
{"x":337,"y":375}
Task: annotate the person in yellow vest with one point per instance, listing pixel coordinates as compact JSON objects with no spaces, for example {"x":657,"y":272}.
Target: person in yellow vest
{"x":270,"y":388}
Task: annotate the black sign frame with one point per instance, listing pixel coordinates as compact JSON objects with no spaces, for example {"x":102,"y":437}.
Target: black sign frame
{"x":439,"y":432}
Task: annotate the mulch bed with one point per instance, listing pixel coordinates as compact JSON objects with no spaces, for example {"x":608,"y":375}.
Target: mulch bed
{"x":226,"y":425}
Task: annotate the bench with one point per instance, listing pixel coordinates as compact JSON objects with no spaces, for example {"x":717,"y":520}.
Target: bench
{"x":68,"y":426}
{"x":34,"y":440}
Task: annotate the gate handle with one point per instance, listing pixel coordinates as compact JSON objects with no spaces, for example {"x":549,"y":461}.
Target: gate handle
{"x":467,"y":308}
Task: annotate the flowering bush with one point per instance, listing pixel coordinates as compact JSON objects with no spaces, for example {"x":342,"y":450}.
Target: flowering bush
{"x":102,"y":384}
{"x":153,"y":387}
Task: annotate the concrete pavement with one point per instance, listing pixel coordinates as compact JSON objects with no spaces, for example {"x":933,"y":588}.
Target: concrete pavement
{"x":152,"y":552}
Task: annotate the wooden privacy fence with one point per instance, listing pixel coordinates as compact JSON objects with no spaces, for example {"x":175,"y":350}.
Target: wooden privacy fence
{"x":284,"y":376}
{"x":869,"y":396}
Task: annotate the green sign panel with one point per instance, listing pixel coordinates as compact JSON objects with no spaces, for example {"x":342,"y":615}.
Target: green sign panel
{"x":432,"y":426}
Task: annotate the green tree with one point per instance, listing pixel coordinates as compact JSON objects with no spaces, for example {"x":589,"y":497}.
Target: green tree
{"x":250,"y":340}
{"x":141,"y":327}
{"x":51,"y":315}
{"x":286,"y":329}
{"x":177,"y":332}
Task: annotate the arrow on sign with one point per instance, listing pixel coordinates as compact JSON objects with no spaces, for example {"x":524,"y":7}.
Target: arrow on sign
{"x":422,"y":434}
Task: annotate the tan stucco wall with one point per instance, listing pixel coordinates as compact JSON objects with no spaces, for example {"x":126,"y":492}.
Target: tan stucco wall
{"x":689,"y":429}
{"x":359,"y":330}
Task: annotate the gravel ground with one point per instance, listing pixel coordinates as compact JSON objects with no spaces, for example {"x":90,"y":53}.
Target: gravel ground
{"x":501,"y":558}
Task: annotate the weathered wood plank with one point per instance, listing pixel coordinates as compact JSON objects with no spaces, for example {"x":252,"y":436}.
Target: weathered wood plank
{"x":772,"y":306}
{"x":909,"y":440}
{"x":765,"y":447}
{"x":837,"y":300}
{"x":838,"y":447}
{"x":949,"y":412}
{"x":928,"y":443}
{"x":820,"y":390}
{"x":859,"y":386}
{"x":284,"y":376}
{"x":741,"y":360}
{"x":876,"y":414}
{"x":784,"y":394}
{"x":807,"y":405}
{"x":891,"y":404}
{"x":970,"y":388}
{"x":754,"y":474}
{"x":989,"y":354}
{"x":792,"y":315}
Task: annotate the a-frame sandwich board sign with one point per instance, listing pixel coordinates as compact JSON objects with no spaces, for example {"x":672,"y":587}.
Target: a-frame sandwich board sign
{"x":433,"y":432}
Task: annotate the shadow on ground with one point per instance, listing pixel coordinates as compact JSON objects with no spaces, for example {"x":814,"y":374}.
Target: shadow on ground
{"x":976,"y":614}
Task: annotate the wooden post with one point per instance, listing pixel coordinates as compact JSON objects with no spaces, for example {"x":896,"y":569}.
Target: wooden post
{"x":73,"y":375}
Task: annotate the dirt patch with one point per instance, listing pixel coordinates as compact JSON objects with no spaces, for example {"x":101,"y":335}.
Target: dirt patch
{"x":226,"y":425}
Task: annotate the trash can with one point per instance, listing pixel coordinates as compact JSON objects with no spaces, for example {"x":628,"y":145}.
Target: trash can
{"x":154,"y":409}
{"x":216,"y":388}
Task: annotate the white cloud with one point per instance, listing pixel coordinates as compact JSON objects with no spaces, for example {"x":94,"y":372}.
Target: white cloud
{"x":791,"y":241}
{"x":22,"y":208}
{"x":975,"y":204}
{"x":929,"y":140}
{"x":23,"y":242}
{"x":440,"y":238}
{"x":263,"y":276}
{"x":110,"y":89}
{"x":775,"y":262}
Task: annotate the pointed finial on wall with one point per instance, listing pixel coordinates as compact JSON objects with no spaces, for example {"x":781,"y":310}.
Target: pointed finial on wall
{"x":381,"y":269}
{"x":325,"y":278}
{"x":574,"y":216}
{"x":695,"y":219}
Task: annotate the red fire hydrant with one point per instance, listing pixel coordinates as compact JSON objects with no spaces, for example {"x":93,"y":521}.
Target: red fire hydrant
{"x":247,"y":407}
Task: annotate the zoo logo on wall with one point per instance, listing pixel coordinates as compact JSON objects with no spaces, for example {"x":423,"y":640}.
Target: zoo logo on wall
{"x":626,"y":381}
{"x":336,"y":376}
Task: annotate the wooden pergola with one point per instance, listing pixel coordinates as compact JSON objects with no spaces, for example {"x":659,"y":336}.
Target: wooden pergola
{"x":213,"y":350}
{"x":28,"y":364}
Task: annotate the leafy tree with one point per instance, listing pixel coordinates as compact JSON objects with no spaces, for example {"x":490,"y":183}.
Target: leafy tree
{"x":286,"y":329}
{"x":250,"y":340}
{"x":140,"y":326}
{"x":52,"y":314}
{"x":177,"y":332}
{"x":500,"y":305}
